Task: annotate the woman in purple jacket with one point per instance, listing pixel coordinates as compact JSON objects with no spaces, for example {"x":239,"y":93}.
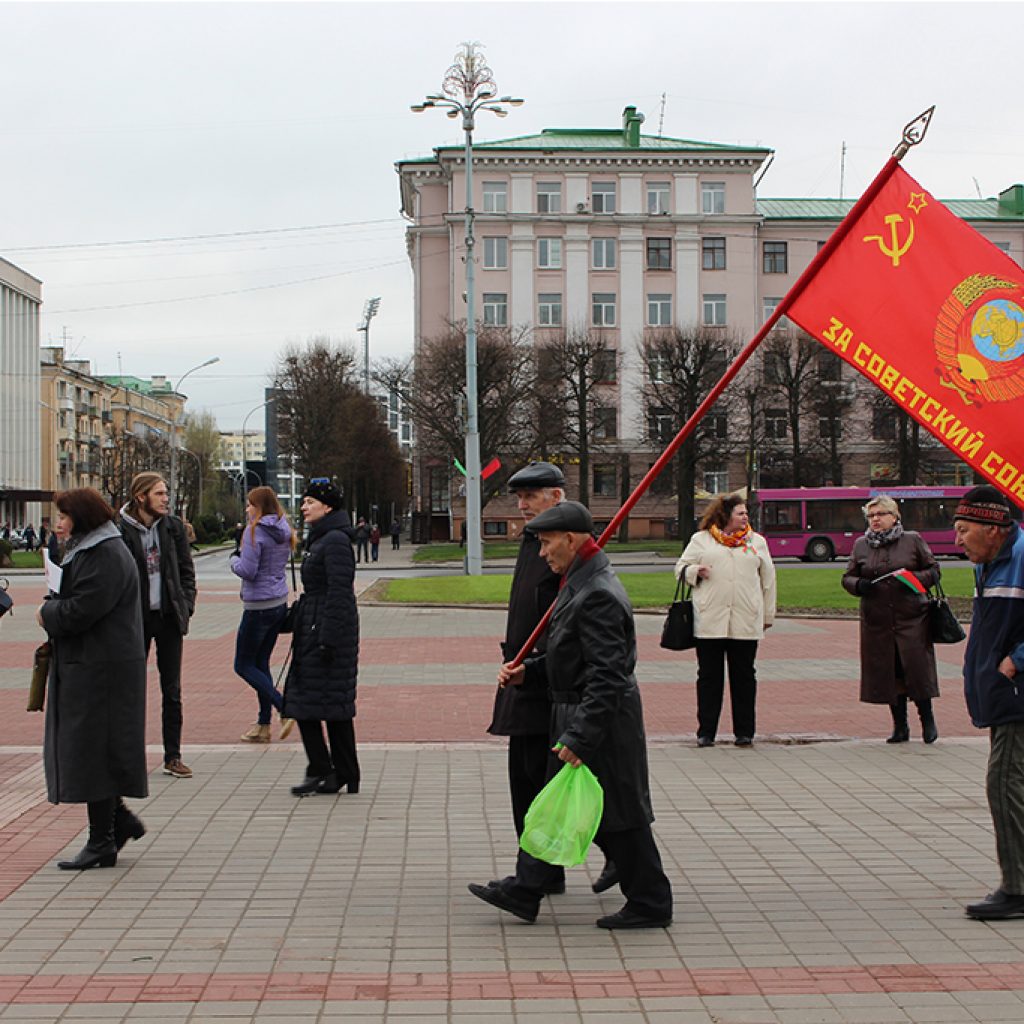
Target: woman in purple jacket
{"x":266,"y":545}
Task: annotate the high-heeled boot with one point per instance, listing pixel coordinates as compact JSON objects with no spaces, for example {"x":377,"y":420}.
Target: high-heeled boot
{"x":100,"y":851}
{"x":126,"y":825}
{"x":929,"y":731}
{"x":900,"y":728}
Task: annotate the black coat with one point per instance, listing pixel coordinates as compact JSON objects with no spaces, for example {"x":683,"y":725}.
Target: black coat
{"x":597,"y":713}
{"x":94,"y":745}
{"x":321,"y":683}
{"x":177,"y":571}
{"x":525,"y":710}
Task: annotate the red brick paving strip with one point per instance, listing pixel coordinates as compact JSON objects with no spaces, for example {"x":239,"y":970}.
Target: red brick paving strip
{"x":677,"y":982}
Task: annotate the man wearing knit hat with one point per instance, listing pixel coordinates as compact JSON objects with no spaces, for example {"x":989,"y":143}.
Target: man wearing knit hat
{"x":993,"y":670}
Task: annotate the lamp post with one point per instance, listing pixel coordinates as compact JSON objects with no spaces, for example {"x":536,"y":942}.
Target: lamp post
{"x":173,"y":483}
{"x":199,"y":471}
{"x":257,"y":408}
{"x":468,"y":87}
{"x":369,"y":312}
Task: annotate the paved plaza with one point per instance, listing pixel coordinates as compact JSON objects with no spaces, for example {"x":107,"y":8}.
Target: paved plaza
{"x":819,"y":877}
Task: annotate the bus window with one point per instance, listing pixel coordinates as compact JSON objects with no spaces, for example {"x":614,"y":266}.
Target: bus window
{"x":840,"y":516}
{"x":780,"y":516}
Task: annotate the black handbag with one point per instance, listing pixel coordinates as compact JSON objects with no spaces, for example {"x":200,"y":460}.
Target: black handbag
{"x":943,"y":627}
{"x":677,"y":633}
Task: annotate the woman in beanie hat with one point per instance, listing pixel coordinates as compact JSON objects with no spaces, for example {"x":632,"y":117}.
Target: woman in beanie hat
{"x":897,"y":659}
{"x":320,"y":691}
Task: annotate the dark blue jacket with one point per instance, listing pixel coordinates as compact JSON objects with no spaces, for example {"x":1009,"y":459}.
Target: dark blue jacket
{"x":997,"y":630}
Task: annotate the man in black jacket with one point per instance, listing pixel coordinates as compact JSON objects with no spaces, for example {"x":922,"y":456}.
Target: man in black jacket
{"x":523,"y":713}
{"x":597,"y":719}
{"x":167,"y":579}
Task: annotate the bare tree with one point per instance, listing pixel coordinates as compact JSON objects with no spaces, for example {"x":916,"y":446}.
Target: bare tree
{"x":832,"y":405}
{"x":202,"y":440}
{"x":575,"y":365}
{"x":433,"y":387}
{"x":683,"y":364}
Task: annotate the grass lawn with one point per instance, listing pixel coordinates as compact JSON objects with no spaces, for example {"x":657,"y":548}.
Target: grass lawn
{"x":27,"y":559}
{"x":430,"y":553}
{"x":799,"y":587}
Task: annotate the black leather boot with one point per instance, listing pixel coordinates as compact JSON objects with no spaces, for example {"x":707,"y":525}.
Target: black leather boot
{"x":900,"y":728}
{"x":101,"y":850}
{"x":126,"y":825}
{"x":929,"y":732}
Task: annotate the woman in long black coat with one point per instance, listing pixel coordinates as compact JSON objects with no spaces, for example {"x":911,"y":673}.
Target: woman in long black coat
{"x":321,"y":686}
{"x":94,"y":746}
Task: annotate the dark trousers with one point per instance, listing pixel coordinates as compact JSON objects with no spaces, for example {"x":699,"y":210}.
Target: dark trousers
{"x":257,"y":634}
{"x":1005,"y":786}
{"x":529,"y":769}
{"x":362,"y":551}
{"x":341,"y":759}
{"x":163,"y":630}
{"x":712,"y":656}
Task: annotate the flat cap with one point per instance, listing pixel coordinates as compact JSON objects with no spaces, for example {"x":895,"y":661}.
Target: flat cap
{"x":566,"y":517}
{"x":536,"y":474}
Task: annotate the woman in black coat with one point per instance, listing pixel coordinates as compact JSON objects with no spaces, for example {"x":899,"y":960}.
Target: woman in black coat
{"x":321,"y":685}
{"x":94,"y":744}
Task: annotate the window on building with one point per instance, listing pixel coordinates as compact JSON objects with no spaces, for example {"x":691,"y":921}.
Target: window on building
{"x":659,"y":310}
{"x":606,"y":423}
{"x":496,"y":529}
{"x":658,"y":193}
{"x":829,"y":427}
{"x":716,"y":425}
{"x":603,"y":253}
{"x":883,"y":423}
{"x":775,"y":423}
{"x":830,"y":366}
{"x":549,"y":197}
{"x":714,"y":311}
{"x":495,"y":197}
{"x":776,"y":259}
{"x":716,"y":480}
{"x":768,"y":307}
{"x":602,"y":196}
{"x":658,"y":368}
{"x":712,"y":197}
{"x":603,"y":309}
{"x":659,"y":253}
{"x":604,"y":480}
{"x":712,"y":251}
{"x":496,"y":309}
{"x":661,"y":424}
{"x":549,"y":253}
{"x":495,"y":254}
{"x":549,"y":309}
{"x":606,"y":366}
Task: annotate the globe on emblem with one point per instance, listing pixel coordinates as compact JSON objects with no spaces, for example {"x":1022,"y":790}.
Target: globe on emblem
{"x":998,"y":330}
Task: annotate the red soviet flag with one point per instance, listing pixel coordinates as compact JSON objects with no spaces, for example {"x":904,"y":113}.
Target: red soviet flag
{"x":933,"y":313}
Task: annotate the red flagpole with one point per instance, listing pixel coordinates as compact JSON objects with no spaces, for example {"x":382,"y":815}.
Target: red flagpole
{"x":737,"y":364}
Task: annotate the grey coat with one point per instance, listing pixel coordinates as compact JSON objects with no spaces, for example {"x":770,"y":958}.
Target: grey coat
{"x":893,"y":619}
{"x":94,"y":744}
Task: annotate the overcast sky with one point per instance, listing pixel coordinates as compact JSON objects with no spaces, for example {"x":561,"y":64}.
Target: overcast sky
{"x":127,"y":124}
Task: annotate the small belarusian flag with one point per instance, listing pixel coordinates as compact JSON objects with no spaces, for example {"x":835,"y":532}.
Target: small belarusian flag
{"x":906,"y":577}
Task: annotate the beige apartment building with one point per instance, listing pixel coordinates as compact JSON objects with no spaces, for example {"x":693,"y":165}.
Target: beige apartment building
{"x":625,"y":233}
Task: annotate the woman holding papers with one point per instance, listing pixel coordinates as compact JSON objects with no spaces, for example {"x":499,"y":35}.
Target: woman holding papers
{"x":890,"y":570}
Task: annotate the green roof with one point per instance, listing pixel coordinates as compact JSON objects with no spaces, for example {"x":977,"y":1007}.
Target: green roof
{"x":837,"y":209}
{"x":143,"y":387}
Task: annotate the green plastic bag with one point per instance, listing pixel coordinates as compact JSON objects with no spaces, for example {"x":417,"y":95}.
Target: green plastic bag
{"x":563,"y":818}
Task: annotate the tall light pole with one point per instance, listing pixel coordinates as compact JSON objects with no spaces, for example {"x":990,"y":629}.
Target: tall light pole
{"x":468,"y":87}
{"x":369,"y":312}
{"x":257,"y":408}
{"x":173,"y":482}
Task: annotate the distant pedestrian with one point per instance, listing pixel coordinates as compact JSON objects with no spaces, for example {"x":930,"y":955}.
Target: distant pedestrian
{"x":29,"y":536}
{"x":94,"y":743}
{"x":897,"y":659}
{"x":374,"y":542}
{"x":44,"y":533}
{"x":733,"y":580}
{"x":396,"y":535}
{"x":267,"y":544}
{"x":362,"y":541}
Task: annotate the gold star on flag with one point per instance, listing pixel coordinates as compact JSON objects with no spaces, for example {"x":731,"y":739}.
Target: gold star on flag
{"x":917,"y":202}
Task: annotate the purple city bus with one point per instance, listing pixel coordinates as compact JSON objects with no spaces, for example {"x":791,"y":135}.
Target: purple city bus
{"x":817,"y":524}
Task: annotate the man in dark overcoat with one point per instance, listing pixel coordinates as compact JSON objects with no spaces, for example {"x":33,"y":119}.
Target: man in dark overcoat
{"x":597,"y":718}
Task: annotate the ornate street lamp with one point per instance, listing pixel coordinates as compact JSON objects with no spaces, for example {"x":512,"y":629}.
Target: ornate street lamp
{"x":468,"y":87}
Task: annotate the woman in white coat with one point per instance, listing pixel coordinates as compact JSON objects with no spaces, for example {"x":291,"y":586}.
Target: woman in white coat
{"x":733,"y":581}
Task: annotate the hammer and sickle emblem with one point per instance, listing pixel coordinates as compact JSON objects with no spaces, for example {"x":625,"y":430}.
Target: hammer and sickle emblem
{"x":895,"y":249}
